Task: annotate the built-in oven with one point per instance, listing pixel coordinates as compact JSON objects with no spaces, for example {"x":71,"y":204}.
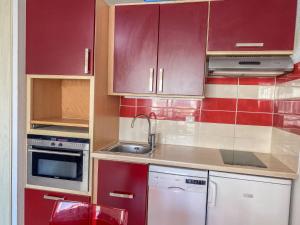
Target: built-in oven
{"x":58,"y":162}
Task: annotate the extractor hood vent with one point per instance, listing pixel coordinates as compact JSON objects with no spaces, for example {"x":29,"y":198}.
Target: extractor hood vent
{"x":249,"y":65}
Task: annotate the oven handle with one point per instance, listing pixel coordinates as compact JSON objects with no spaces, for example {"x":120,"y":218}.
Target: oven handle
{"x":56,"y":153}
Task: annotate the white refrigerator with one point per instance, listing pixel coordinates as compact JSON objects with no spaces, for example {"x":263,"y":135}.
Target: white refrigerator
{"x":235,"y":199}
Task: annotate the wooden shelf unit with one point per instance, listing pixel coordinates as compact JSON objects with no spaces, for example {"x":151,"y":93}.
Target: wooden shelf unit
{"x":65,"y":101}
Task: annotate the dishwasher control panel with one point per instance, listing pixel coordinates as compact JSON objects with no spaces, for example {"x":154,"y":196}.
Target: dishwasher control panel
{"x":172,"y":181}
{"x":195,"y":181}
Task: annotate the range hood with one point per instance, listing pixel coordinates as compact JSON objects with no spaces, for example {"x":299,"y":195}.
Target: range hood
{"x":249,"y":65}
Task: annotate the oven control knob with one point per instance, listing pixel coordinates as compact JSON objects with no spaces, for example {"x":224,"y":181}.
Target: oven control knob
{"x":60,"y":144}
{"x":52,"y":144}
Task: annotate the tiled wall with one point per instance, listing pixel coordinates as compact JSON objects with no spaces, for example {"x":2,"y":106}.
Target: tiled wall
{"x":244,"y":101}
{"x":236,"y":113}
{"x":286,"y":132}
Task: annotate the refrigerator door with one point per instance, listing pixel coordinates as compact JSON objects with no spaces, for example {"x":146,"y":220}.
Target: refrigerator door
{"x":242,"y":200}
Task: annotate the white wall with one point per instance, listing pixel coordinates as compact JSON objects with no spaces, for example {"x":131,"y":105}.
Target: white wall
{"x":18,"y":112}
{"x":5,"y":110}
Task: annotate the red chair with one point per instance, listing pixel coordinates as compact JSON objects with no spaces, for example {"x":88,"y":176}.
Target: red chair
{"x":78,"y":213}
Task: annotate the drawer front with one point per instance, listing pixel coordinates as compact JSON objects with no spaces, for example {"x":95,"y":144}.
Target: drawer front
{"x":124,"y":185}
{"x":39,"y":205}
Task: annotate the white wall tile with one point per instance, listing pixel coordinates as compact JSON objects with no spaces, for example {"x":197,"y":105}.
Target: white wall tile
{"x":220,"y":91}
{"x":255,"y":92}
{"x":287,"y":92}
{"x":286,"y":147}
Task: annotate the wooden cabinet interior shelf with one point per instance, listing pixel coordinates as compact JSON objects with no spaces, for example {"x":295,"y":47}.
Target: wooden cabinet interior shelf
{"x":59,"y":102}
{"x":62,"y":122}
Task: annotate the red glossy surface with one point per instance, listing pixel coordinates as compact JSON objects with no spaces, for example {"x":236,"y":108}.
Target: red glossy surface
{"x":271,"y":22}
{"x":125,"y":178}
{"x":258,"y":119}
{"x":127,"y":111}
{"x":226,"y":104}
{"x":257,"y":81}
{"x":182,"y":47}
{"x":38,"y":209}
{"x":128,"y":101}
{"x":254,"y":105}
{"x":217,"y":117}
{"x":136,"y":40}
{"x":57,"y":33}
{"x":221,"y":80}
{"x":79,"y":213}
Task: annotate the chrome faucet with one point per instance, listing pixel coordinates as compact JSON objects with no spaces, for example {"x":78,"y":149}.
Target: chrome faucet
{"x":151,"y":136}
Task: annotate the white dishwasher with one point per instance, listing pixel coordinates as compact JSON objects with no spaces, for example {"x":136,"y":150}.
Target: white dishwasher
{"x":177,"y":196}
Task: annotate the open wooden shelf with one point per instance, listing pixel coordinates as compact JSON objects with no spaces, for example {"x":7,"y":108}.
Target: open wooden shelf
{"x":59,"y":102}
{"x":62,"y":122}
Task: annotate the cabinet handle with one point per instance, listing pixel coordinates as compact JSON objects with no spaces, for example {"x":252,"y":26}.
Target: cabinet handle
{"x":151,"y":79}
{"x":212,"y":194}
{"x":53,"y":198}
{"x":161,"y":80}
{"x":120,"y":195}
{"x":86,"y":60}
{"x":258,"y":45}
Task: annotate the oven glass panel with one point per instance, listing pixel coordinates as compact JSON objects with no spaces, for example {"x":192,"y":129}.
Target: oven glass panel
{"x":57,"y":166}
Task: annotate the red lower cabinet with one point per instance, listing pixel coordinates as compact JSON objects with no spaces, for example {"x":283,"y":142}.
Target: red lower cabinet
{"x":124,"y":185}
{"x":39,"y":205}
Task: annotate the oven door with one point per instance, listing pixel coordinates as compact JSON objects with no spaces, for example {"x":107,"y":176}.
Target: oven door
{"x":58,"y":169}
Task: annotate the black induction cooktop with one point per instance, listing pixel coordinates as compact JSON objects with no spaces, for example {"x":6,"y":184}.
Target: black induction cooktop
{"x":241,"y":158}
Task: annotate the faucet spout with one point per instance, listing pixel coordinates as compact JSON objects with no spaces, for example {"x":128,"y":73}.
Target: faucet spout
{"x":151,"y":137}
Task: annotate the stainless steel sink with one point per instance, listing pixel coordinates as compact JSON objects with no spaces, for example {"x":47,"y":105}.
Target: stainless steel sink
{"x":131,"y":148}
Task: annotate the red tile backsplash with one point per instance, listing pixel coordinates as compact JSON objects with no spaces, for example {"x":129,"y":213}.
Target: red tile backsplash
{"x":219,"y":104}
{"x":258,"y":119}
{"x":218,"y":117}
{"x":253,"y":105}
{"x":127,"y":111}
{"x":222,"y":80}
{"x":212,"y":110}
{"x":128,"y":101}
{"x":257,"y":81}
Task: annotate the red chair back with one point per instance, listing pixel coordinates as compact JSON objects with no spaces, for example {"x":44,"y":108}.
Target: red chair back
{"x":78,"y":213}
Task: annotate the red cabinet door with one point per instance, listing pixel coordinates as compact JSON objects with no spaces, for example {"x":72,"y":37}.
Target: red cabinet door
{"x":60,"y":37}
{"x":135,"y":48}
{"x":182,"y":48}
{"x":124,"y":185}
{"x":267,"y":25}
{"x":39,"y":205}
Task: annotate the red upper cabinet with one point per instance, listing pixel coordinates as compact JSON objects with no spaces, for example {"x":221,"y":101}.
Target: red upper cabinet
{"x":39,"y":205}
{"x":60,"y":37}
{"x":159,"y":49}
{"x":124,"y":185}
{"x":252,"y":25}
{"x":135,"y":48}
{"x":182,"y":46}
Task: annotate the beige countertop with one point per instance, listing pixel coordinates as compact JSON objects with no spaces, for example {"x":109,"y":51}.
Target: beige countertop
{"x":200,"y":158}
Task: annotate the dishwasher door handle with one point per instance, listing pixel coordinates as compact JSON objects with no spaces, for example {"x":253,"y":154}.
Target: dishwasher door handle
{"x":176,"y":189}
